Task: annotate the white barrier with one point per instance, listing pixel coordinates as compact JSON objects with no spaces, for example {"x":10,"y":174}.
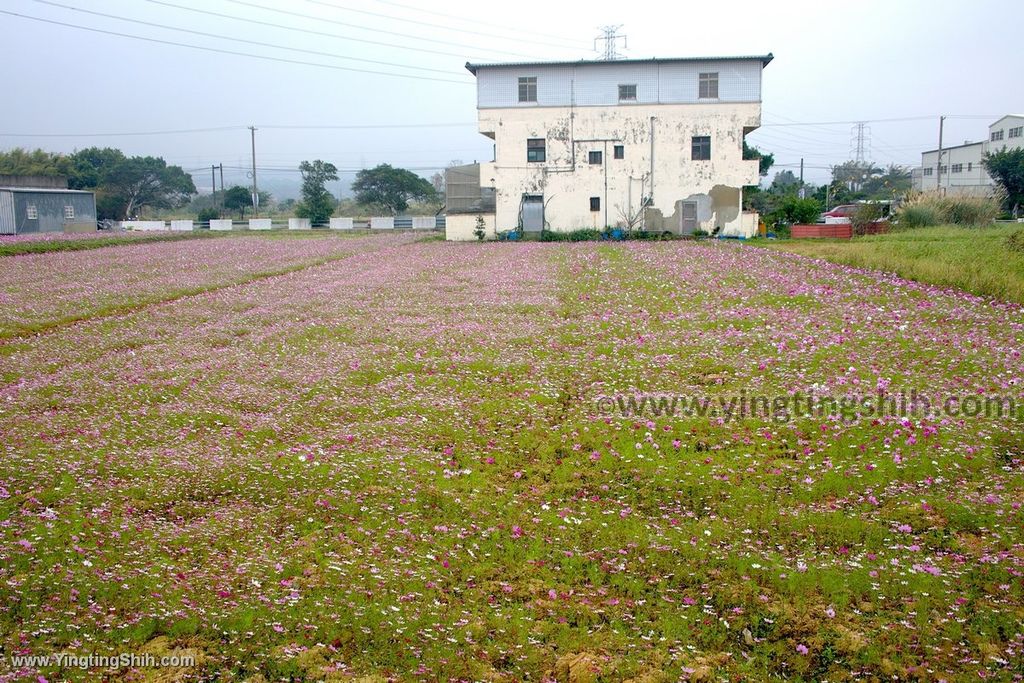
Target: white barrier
{"x":143,"y":225}
{"x":424,"y":222}
{"x":341,"y":224}
{"x":382,"y":223}
{"x":260,"y":224}
{"x":221,"y":224}
{"x":182,"y":226}
{"x":298,"y":224}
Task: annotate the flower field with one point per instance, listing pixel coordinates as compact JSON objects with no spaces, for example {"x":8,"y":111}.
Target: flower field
{"x":379,"y":458}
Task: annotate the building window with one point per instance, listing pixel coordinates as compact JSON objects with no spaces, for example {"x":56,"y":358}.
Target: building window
{"x":928,"y":170}
{"x":942,"y":169}
{"x":708,"y":86}
{"x":970,"y":166}
{"x":31,"y":213}
{"x":535,"y":150}
{"x":958,"y":168}
{"x":627,"y":93}
{"x":1014,"y":132}
{"x":997,"y":135}
{"x":69,"y":213}
{"x":595,"y":203}
{"x":594,"y":157}
{"x":701,"y":149}
{"x":528,"y":89}
{"x":620,"y":151}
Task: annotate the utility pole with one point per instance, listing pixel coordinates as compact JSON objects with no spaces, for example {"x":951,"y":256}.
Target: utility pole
{"x":222,"y":186}
{"x":610,"y":37}
{"x":213,"y":179}
{"x":938,"y":171}
{"x":255,"y":188}
{"x":801,"y":177}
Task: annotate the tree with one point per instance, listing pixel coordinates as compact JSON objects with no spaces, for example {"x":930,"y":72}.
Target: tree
{"x":391,"y":188}
{"x":1007,"y":169}
{"x":894,"y":181}
{"x":855,"y":174}
{"x":317,"y":203}
{"x":20,"y":161}
{"x":238,"y":198}
{"x":765,"y":160}
{"x":126,"y":185}
{"x":785,"y":182}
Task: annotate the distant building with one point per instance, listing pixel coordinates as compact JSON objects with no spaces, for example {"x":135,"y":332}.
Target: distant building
{"x":961,"y":171}
{"x":32,"y":204}
{"x":645,"y":143}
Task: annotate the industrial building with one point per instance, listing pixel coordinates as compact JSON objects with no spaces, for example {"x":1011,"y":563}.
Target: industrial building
{"x":960,"y":171}
{"x":654,"y":144}
{"x":34,"y":204}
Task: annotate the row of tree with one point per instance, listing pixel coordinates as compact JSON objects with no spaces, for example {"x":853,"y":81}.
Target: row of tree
{"x":124,"y":185}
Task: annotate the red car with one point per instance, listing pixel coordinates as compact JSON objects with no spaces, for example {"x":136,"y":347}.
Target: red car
{"x":840,"y":214}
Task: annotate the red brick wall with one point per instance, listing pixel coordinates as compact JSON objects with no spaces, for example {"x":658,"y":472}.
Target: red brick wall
{"x":837,"y":230}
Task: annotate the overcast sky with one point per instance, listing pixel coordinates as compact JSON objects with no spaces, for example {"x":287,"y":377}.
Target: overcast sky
{"x":64,"y":88}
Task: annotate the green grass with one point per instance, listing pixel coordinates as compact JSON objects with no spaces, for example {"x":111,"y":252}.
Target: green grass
{"x":976,"y":260}
{"x":114,"y":240}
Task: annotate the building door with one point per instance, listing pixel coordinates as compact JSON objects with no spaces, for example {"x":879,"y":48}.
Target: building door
{"x":533,"y":212}
{"x":688,"y":218}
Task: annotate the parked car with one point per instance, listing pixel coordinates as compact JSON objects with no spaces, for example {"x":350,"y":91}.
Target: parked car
{"x":840,"y":214}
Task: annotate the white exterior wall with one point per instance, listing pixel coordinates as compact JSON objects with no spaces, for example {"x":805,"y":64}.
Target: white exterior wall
{"x":972,"y":180}
{"x":567,"y":181}
{"x":459,"y":227}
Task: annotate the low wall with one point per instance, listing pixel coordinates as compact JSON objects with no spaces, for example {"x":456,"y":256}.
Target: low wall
{"x":835,"y":230}
{"x":459,"y":227}
{"x":143,"y":225}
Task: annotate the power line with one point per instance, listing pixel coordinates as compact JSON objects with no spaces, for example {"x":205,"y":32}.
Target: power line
{"x":240,"y":40}
{"x":471,"y":21}
{"x":427,"y":23}
{"x":360,"y":126}
{"x":257,"y":22}
{"x":366,"y":28}
{"x":231,"y":52}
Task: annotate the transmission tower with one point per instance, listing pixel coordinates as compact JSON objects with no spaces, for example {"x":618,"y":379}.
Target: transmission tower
{"x":860,"y":142}
{"x":609,"y":34}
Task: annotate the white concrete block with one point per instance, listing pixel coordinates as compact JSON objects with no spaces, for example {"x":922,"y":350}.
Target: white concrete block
{"x":143,"y":225}
{"x":298,"y":224}
{"x":382,"y":223}
{"x":260,"y":224}
{"x":424,"y":222}
{"x":221,"y":224}
{"x":341,"y":224}
{"x":182,"y":226}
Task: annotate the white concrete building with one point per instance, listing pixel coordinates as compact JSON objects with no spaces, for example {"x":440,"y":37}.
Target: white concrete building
{"x":644,"y":143}
{"x":961,"y":171}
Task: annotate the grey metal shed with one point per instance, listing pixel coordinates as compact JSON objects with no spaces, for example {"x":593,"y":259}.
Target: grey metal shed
{"x":26,"y":210}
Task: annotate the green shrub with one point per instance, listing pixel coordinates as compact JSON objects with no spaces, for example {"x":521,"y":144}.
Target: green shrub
{"x":865,"y":216}
{"x":208,"y":214}
{"x":793,"y":211}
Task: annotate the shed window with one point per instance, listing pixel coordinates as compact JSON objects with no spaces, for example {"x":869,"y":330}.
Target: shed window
{"x":594,"y":157}
{"x":627,"y":93}
{"x":527,"y":88}
{"x":708,"y":86}
{"x":535,"y":150}
{"x":69,"y":213}
{"x":701,"y":148}
{"x":620,"y":152}
{"x":595,"y":203}
{"x":31,"y":213}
